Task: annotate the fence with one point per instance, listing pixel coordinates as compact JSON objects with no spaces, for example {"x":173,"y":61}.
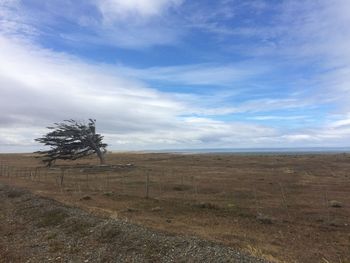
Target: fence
{"x":120,"y":179}
{"x":285,"y":200}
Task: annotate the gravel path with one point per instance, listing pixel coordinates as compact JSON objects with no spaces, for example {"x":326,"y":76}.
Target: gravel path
{"x":37,"y":229}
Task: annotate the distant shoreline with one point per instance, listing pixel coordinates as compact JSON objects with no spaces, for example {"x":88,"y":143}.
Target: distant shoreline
{"x":234,"y":151}
{"x":249,"y":151}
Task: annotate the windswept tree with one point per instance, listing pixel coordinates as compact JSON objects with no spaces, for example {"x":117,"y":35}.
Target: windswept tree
{"x":71,"y":140}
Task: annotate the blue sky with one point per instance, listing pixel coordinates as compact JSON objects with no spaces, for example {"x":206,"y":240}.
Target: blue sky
{"x":165,"y":74}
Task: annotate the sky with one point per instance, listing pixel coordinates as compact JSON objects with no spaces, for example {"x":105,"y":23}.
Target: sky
{"x":176,"y":74}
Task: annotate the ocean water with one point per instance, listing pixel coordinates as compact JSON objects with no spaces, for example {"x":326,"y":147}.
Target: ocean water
{"x":259,"y":151}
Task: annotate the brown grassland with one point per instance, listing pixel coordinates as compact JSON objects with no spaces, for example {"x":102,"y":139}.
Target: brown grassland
{"x":284,"y":208}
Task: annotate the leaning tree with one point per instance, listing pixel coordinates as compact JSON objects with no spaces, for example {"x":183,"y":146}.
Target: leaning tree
{"x":71,"y":140}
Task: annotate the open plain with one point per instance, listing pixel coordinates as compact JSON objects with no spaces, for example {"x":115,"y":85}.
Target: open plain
{"x":282,"y":208}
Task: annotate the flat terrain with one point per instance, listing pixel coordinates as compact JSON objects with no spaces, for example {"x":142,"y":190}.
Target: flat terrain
{"x":37,"y":229}
{"x":286,"y":208}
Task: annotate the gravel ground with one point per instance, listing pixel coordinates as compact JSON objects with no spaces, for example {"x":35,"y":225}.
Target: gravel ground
{"x":37,"y":229}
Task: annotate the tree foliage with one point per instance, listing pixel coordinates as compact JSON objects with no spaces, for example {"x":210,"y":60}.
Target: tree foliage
{"x":71,"y":140}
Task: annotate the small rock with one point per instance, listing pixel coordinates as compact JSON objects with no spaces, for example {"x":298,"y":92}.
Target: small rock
{"x":14,"y":194}
{"x":168,"y":221}
{"x":335,"y":223}
{"x":334,"y":203}
{"x":156,"y":209}
{"x":264,"y":219}
{"x":129,"y":209}
{"x":108,"y":194}
{"x":204,"y":205}
{"x":85,"y":198}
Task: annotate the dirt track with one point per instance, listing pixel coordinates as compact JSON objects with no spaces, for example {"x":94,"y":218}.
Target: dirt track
{"x":37,"y":229}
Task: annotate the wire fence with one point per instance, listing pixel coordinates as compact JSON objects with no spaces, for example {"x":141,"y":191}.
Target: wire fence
{"x":211,"y":189}
{"x":121,"y":179}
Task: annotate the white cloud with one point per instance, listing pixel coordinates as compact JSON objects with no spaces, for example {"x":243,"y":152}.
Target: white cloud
{"x":57,"y":81}
{"x":39,"y":87}
{"x":313,"y":38}
{"x":12,"y":21}
{"x":198,"y":133}
{"x":334,"y":133}
{"x":132,"y":24}
{"x":120,"y":9}
{"x":285,"y":118}
{"x":137,"y":24}
{"x":341,"y":123}
{"x":199,"y":74}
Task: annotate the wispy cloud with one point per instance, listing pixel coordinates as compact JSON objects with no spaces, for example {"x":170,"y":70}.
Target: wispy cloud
{"x":115,"y":10}
{"x":55,"y":86}
{"x":12,"y":21}
{"x":280,"y":118}
{"x":198,"y":74}
{"x":243,"y":67}
{"x":134,"y":24}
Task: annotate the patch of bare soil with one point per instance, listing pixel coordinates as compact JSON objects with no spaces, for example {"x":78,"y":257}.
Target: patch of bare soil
{"x":37,"y":229}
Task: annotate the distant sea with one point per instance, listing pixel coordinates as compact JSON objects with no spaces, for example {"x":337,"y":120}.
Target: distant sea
{"x":258,"y":151}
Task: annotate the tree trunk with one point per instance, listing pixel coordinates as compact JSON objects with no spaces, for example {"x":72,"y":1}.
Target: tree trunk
{"x":100,"y":156}
{"x":97,"y":150}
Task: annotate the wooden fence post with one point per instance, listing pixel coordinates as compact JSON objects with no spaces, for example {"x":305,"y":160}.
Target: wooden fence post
{"x":284,"y":198}
{"x":38,"y":171}
{"x":160,"y":183}
{"x":195,"y":186}
{"x":326,"y":202}
{"x":123,"y":184}
{"x":62,"y":177}
{"x":257,"y":207}
{"x":87,"y":181}
{"x":147,"y":185}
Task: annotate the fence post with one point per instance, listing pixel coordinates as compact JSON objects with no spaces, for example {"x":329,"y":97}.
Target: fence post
{"x":123,"y":184}
{"x":195,"y":186}
{"x":62,"y":177}
{"x":87,"y":180}
{"x":147,"y":185}
{"x":160,"y":182}
{"x":34,"y":174}
{"x":38,"y":171}
{"x":31,"y":174}
{"x":284,"y":198}
{"x":257,"y":207}
{"x":326,"y":202}
{"x":107,"y":182}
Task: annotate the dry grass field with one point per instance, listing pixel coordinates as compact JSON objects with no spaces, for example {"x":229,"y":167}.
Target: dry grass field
{"x":284,"y":208}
